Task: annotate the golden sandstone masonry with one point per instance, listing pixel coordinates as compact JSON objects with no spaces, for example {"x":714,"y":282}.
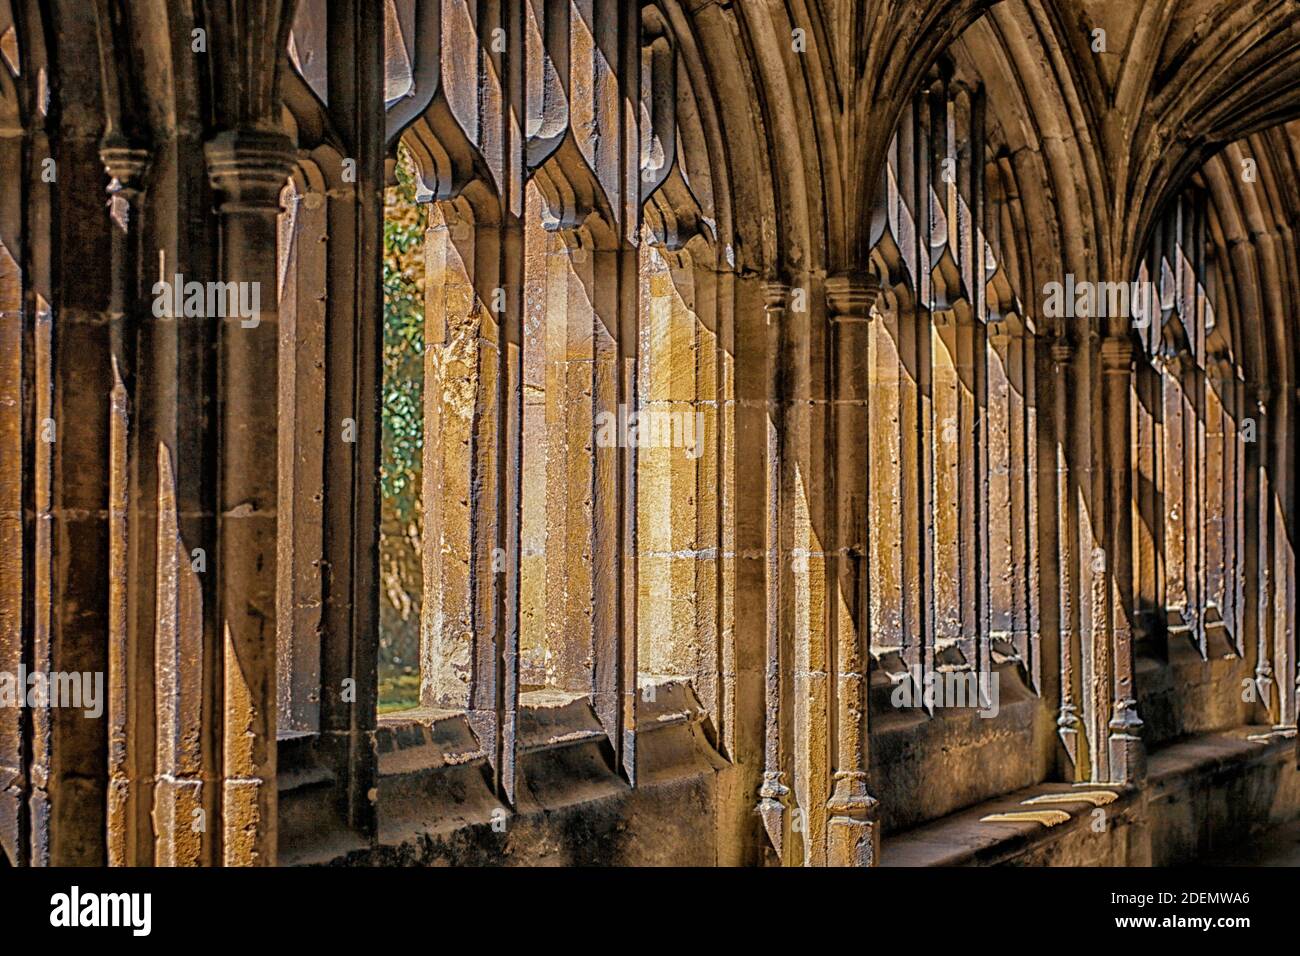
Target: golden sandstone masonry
{"x":588,"y":432}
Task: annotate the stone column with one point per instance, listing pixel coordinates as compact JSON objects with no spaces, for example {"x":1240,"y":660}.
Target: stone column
{"x":126,"y":167}
{"x":628,"y":389}
{"x":972,"y":489}
{"x":1257,"y":524}
{"x":1148,"y":625}
{"x":471,"y":475}
{"x":353,"y":316}
{"x":1068,"y":722}
{"x":1216,"y":552}
{"x":248,"y":169}
{"x":1282,"y":455}
{"x":1127,"y":755}
{"x":1005,"y":453}
{"x":804,"y":540}
{"x":853,"y":830}
{"x":69,"y":247}
{"x":774,"y":793}
{"x":302,"y":436}
{"x":574,"y":494}
{"x":454,"y":430}
{"x":1011,"y":519}
{"x":14,"y":350}
{"x":1235,"y":492}
{"x":608,"y":465}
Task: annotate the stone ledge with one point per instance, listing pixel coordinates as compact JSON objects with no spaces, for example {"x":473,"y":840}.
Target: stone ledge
{"x":436,"y":806}
{"x":1173,"y":817}
{"x":964,"y":839}
{"x":924,"y":767}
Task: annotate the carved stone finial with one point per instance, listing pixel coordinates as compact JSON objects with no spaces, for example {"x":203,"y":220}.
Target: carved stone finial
{"x":773,"y":808}
{"x":125,"y":165}
{"x":1124,"y":717}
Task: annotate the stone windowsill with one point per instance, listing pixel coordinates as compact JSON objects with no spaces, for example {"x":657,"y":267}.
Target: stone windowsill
{"x":435,"y":780}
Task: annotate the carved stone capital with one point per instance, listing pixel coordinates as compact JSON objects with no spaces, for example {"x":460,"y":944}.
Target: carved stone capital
{"x":1177,"y":361}
{"x":1221,"y":371}
{"x":850,"y":797}
{"x":1068,"y":718}
{"x":677,"y":259}
{"x":1124,"y":717}
{"x":249,"y":168}
{"x":1127,"y":751}
{"x":850,"y":297}
{"x":775,"y":294}
{"x":1062,"y":352}
{"x":594,"y":234}
{"x":125,"y":164}
{"x":1117,"y":355}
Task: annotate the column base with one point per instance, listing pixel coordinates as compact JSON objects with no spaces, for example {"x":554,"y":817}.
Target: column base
{"x":854,"y":832}
{"x":1128,"y":755}
{"x":853,"y":842}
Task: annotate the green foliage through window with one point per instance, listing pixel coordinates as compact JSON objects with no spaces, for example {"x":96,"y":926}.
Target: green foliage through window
{"x":403,"y":341}
{"x":403,"y":438}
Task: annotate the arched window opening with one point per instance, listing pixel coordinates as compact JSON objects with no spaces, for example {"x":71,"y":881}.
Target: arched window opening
{"x":952,"y":472}
{"x":952,"y":375}
{"x":404,"y":408}
{"x":623,"y":395}
{"x":1197,"y":487}
{"x":570,"y":322}
{"x":685,"y":402}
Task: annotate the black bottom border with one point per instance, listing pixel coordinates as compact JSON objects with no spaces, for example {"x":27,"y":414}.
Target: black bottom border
{"x":397,"y":908}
